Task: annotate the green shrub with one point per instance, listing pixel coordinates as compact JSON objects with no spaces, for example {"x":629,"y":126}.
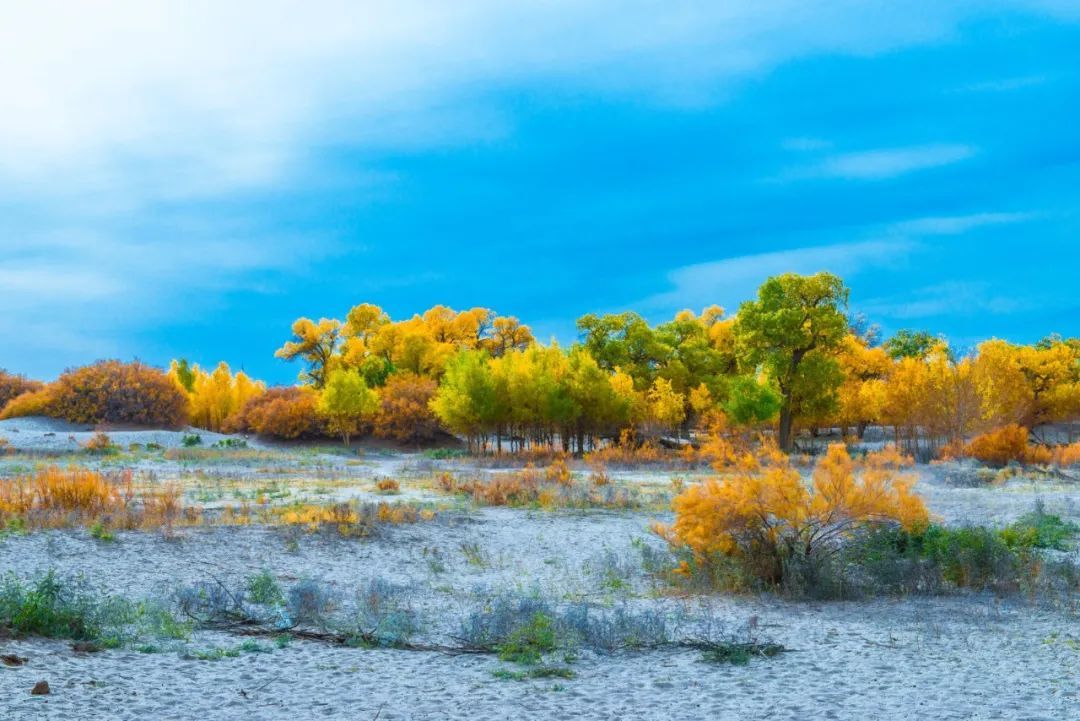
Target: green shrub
{"x":264,"y":589}
{"x":1040,"y":530}
{"x":527,"y":643}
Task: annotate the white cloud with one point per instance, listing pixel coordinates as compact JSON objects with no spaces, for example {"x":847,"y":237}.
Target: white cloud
{"x":882,"y":163}
{"x":959,"y":224}
{"x":953,"y":298}
{"x":733,"y":280}
{"x":233,"y":95}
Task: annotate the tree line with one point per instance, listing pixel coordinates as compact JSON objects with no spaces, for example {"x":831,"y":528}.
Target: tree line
{"x":791,"y":359}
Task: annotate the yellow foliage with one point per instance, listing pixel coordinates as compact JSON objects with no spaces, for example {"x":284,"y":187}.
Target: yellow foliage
{"x":765,"y":513}
{"x":216,"y":398}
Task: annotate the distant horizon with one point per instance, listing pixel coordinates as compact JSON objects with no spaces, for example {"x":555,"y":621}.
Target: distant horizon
{"x":181,"y":181}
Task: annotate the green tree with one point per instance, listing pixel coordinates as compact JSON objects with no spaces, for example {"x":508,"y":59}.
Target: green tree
{"x":750,"y":402}
{"x":793,"y":317}
{"x":347,"y":402}
{"x":910,"y":344}
{"x":467,"y":402}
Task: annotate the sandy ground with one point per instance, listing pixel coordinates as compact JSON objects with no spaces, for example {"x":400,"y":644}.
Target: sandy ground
{"x":53,"y":435}
{"x":959,"y":657}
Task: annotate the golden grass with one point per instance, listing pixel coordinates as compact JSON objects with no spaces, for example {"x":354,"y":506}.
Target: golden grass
{"x":549,"y":488}
{"x":54,"y":497}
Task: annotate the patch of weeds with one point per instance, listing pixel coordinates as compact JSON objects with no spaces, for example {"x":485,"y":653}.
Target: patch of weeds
{"x":263,"y":589}
{"x":253,"y":646}
{"x":15,"y":526}
{"x":48,"y":607}
{"x":231,"y":443}
{"x":147,"y":648}
{"x":474,"y":555}
{"x":190,"y":440}
{"x":740,"y":654}
{"x":506,"y":674}
{"x":383,"y":618}
{"x":214,"y":654}
{"x":308,"y":602}
{"x":282,"y":641}
{"x":99,"y":532}
{"x":434,"y":561}
{"x":442,"y":454}
{"x":1039,"y":529}
{"x":526,"y":644}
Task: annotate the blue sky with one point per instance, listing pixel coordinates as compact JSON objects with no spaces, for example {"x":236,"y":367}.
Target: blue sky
{"x":184,"y":179}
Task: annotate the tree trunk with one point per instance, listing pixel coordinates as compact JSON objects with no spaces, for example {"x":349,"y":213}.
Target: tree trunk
{"x":784,"y":436}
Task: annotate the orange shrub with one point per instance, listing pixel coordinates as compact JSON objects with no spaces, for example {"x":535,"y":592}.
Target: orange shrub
{"x":31,"y":403}
{"x":765,"y":517}
{"x":1000,"y":446}
{"x":100,"y":443}
{"x":109,"y":392}
{"x":285,"y":412}
{"x":404,"y":409}
{"x":387,"y":485}
{"x":1069,"y":455}
{"x":12,"y":386}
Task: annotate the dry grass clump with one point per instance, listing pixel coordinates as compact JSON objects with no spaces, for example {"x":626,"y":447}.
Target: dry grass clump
{"x":550,"y":488}
{"x":629,"y":453}
{"x":100,"y":443}
{"x":54,"y":498}
{"x":388,"y":486}
{"x":352,"y":519}
{"x":78,"y":497}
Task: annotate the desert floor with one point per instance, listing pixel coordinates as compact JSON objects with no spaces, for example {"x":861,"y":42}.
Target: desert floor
{"x":966,"y":656}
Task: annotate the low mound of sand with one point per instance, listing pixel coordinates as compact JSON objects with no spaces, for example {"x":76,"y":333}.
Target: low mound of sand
{"x":37,"y":433}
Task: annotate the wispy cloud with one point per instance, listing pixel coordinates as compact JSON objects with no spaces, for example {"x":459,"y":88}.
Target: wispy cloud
{"x":952,"y":298}
{"x":881,"y":164}
{"x":732,"y":280}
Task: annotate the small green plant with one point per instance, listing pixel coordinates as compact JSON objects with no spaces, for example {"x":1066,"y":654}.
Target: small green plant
{"x":264,"y":589}
{"x":474,"y":555}
{"x":253,"y":646}
{"x":1039,"y":529}
{"x":215,"y":654}
{"x":231,"y":443}
{"x":527,"y":643}
{"x":506,"y":674}
{"x":442,"y":454}
{"x":739,"y":654}
{"x":190,"y":440}
{"x":100,"y":532}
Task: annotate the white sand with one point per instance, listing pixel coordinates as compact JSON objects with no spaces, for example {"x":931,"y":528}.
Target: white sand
{"x":962,"y":657}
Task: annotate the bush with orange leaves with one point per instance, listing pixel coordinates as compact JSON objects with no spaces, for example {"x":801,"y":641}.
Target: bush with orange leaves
{"x":404,"y":409}
{"x":13,"y":386}
{"x":1066,"y":456}
{"x":1001,"y":446}
{"x":285,"y":412}
{"x":778,"y":530}
{"x":113,"y":392}
{"x":1009,"y":444}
